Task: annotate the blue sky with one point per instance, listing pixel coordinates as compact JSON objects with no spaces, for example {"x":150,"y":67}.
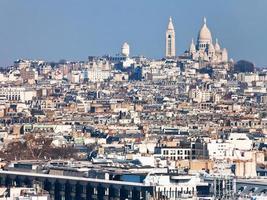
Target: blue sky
{"x":73,"y":29}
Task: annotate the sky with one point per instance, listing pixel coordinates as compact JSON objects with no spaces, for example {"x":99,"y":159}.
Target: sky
{"x":74,"y":29}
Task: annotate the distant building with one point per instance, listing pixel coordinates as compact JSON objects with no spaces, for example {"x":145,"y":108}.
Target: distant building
{"x":98,"y":71}
{"x":18,"y":93}
{"x":125,"y":49}
{"x":23,"y":193}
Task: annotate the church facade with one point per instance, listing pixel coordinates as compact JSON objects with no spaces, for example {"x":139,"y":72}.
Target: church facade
{"x":205,"y":49}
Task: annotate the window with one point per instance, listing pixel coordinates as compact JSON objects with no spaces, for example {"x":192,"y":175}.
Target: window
{"x":106,"y":191}
{"x":95,"y":191}
{"x":165,"y":152}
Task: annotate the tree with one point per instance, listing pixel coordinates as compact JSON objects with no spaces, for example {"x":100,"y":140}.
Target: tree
{"x":36,"y":146}
{"x":244,"y":66}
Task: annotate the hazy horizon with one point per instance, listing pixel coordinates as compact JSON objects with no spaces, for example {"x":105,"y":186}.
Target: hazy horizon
{"x":73,"y":30}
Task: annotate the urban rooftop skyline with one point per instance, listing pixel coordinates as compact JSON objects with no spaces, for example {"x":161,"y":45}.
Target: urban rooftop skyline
{"x":66,"y":30}
{"x":133,"y":100}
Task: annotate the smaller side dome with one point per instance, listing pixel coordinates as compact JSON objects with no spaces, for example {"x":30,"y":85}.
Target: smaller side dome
{"x":217,"y":46}
{"x":192,"y":48}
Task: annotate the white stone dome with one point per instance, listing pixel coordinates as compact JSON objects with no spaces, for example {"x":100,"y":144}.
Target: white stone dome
{"x":204,"y":33}
{"x":125,"y":49}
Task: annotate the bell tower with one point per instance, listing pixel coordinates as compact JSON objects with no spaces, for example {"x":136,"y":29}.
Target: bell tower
{"x":170,"y":40}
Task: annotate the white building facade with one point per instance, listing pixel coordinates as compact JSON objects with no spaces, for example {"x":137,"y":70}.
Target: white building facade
{"x":18,"y":93}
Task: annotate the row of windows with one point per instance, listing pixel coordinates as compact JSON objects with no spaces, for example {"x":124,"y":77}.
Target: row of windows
{"x":9,"y":93}
{"x":13,"y":97}
{"x":173,"y":190}
{"x":176,"y":152}
{"x":12,"y":90}
{"x":95,"y":190}
{"x":177,"y":157}
{"x":244,"y":123}
{"x":202,"y":45}
{"x":174,"y":194}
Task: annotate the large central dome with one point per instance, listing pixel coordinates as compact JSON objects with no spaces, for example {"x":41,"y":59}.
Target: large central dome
{"x":204,"y":33}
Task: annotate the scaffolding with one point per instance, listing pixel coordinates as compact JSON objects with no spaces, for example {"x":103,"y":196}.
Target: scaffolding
{"x":224,"y":187}
{"x":224,"y":183}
